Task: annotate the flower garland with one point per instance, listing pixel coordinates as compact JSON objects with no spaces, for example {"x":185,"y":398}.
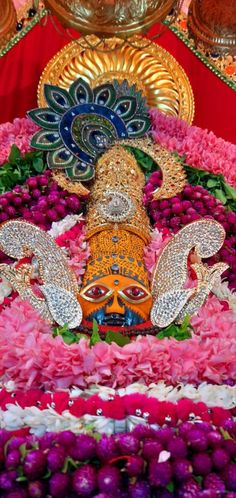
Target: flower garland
{"x":201,"y":148}
{"x":189,"y":461}
{"x":63,"y":410}
{"x":33,"y":358}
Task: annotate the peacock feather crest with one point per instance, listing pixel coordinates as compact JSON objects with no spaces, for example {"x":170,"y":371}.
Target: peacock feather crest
{"x":80,"y":124}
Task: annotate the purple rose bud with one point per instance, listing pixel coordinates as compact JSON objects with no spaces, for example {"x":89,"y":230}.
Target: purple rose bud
{"x":84,"y":480}
{"x":59,"y":485}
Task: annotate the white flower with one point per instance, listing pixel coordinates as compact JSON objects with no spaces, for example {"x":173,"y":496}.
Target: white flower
{"x":222,"y":291}
{"x":164,"y":456}
{"x":5,"y":289}
{"x":62,"y":226}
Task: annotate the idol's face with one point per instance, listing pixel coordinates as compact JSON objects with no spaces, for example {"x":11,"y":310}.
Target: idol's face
{"x":116,"y":300}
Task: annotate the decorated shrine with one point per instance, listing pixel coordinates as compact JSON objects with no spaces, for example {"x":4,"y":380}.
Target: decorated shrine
{"x":118,"y":249}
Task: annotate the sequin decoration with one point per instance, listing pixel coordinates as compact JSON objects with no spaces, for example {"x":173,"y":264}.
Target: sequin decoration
{"x":57,"y":283}
{"x":118,"y":208}
{"x":207,"y":237}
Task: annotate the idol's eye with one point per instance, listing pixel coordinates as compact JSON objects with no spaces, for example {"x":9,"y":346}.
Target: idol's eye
{"x":134,"y":293}
{"x":96,"y":293}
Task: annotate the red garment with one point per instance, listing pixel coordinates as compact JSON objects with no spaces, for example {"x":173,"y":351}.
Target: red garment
{"x":21,"y":68}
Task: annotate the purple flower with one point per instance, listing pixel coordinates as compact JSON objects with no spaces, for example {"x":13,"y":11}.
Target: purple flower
{"x":202,"y":464}
{"x":182,"y":469}
{"x":109,"y":479}
{"x":151,"y":448}
{"x":177,"y":448}
{"x":159,"y":473}
{"x":230,"y":476}
{"x":220,"y":458}
{"x":84,"y":448}
{"x":7,"y":480}
{"x":84,"y":480}
{"x":214,"y":482}
{"x":197,"y":439}
{"x":56,"y":459}
{"x":107,"y":448}
{"x":36,"y":489}
{"x":12,"y":459}
{"x":128,"y":444}
{"x":34,"y":465}
{"x":134,"y":465}
{"x":140,"y":489}
{"x":59,"y":485}
{"x":66,"y":438}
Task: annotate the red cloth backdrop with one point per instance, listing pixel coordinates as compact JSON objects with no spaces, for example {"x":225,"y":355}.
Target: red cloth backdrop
{"x":21,"y":67}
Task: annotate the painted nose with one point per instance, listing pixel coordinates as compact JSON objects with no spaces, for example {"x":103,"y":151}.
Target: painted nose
{"x":115,"y":306}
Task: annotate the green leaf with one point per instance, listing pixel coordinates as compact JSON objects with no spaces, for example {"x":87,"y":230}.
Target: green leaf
{"x":230,"y":191}
{"x":212,"y":182}
{"x":14,"y":154}
{"x":23,"y":450}
{"x":38,"y":164}
{"x":220,"y":195}
{"x":69,"y":337}
{"x":21,"y":479}
{"x":95,"y":337}
{"x":116,"y":337}
{"x":170,"y":487}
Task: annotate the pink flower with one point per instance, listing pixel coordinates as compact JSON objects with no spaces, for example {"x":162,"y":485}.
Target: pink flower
{"x":201,"y":148}
{"x":19,"y":133}
{"x":77,"y":248}
{"x":153,"y":250}
{"x":31,"y":357}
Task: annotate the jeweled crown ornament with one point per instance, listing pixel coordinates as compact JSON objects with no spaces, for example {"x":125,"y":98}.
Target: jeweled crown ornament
{"x":79,"y":125}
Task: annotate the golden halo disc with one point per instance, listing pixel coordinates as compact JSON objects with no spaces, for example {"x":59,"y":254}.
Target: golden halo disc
{"x":151,"y":68}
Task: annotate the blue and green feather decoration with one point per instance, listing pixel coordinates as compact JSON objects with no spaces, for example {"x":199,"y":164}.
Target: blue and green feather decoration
{"x":80,"y":124}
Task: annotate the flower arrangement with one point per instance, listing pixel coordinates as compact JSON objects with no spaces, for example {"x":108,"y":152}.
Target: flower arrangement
{"x":190,"y":460}
{"x":179,"y":385}
{"x":33,"y":358}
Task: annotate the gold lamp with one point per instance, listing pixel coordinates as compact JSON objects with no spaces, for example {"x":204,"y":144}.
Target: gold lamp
{"x":212,"y":23}
{"x":108,"y":18}
{"x":7,"y":21}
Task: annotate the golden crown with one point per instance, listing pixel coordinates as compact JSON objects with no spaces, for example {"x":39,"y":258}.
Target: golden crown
{"x":117,"y":224}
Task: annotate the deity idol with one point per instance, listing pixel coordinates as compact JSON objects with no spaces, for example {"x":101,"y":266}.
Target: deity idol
{"x":91,"y":136}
